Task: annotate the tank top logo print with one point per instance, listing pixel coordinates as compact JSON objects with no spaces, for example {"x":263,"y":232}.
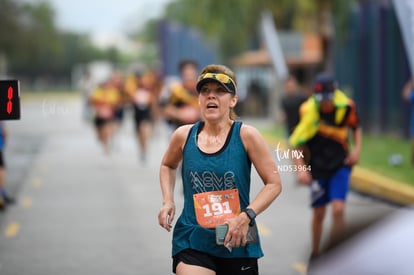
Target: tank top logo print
{"x":210,"y":181}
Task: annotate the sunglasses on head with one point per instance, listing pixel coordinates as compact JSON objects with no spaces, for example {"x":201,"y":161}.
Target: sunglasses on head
{"x":224,"y":79}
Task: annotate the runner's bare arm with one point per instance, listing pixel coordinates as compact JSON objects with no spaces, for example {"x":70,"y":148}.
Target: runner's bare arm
{"x":303,"y":176}
{"x":169,"y":164}
{"x":408,"y":87}
{"x":259,"y":153}
{"x":354,"y":154}
{"x":261,"y":158}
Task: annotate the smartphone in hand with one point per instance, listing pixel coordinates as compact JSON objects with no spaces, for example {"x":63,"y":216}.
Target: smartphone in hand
{"x":221,"y":232}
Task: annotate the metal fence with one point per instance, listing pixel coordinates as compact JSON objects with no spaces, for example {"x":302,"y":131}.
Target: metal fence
{"x":371,"y":64}
{"x":178,"y":42}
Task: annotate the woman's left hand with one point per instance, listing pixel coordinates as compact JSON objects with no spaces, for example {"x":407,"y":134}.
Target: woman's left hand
{"x":237,"y":233}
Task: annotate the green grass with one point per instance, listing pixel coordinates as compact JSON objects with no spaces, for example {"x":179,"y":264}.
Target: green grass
{"x":375,"y":153}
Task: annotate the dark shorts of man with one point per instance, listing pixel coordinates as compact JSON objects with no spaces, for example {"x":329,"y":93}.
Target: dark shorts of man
{"x":99,"y":121}
{"x":222,"y":266}
{"x":141,"y":114}
{"x":323,"y":191}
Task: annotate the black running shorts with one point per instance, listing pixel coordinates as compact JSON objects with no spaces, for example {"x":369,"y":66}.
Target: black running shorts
{"x":222,"y":266}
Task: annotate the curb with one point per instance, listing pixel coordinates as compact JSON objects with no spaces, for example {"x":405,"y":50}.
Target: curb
{"x":368,"y":182}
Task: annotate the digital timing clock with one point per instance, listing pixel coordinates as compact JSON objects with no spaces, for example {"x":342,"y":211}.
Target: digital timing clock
{"x":9,"y":100}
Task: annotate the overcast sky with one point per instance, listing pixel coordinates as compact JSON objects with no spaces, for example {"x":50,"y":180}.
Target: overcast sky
{"x":105,"y":16}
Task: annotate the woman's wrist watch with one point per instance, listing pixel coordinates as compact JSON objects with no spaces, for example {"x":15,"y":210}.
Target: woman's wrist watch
{"x":251,"y":214}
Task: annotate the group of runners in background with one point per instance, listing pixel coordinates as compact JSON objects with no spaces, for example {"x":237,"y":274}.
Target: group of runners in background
{"x":150,"y":98}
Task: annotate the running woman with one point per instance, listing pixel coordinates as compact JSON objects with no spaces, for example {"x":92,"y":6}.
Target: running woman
{"x":216,"y":156}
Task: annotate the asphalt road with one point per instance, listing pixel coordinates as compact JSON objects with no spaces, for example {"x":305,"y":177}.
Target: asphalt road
{"x":79,"y":212}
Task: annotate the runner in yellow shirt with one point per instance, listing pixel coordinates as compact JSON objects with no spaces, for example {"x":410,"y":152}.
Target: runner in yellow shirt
{"x":105,"y":99}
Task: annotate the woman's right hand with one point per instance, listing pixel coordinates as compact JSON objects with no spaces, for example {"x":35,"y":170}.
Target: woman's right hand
{"x":166,"y":215}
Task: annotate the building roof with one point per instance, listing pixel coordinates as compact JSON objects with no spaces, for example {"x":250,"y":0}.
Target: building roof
{"x":310,"y":54}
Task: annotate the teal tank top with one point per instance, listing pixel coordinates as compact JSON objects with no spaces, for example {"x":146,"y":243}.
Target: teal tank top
{"x":229,"y":168}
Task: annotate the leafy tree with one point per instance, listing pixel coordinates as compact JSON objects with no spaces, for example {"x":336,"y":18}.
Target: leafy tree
{"x":39,"y":39}
{"x":10,"y":30}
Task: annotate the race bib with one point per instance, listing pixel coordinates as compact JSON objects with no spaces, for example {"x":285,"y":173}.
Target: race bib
{"x":216,"y":207}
